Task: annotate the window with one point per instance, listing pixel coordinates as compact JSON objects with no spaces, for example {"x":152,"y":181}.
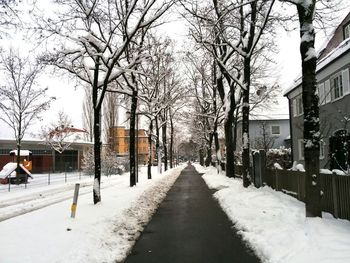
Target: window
{"x":347,"y":31}
{"x":337,"y":86}
{"x":321,"y":94}
{"x":275,"y":130}
{"x":298,"y":106}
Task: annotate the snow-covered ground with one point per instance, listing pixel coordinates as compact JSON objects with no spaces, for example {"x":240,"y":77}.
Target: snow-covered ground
{"x":274,"y":224}
{"x":39,"y":227}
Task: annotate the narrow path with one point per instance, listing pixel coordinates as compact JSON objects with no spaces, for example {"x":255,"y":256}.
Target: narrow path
{"x":189,"y":226}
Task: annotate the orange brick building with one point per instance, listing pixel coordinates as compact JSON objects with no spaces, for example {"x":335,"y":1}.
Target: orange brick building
{"x":119,"y":142}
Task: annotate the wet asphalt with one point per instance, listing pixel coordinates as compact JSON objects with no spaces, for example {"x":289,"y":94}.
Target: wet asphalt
{"x":190,"y":227}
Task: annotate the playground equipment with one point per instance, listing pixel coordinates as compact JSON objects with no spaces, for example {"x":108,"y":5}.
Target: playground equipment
{"x":9,"y":174}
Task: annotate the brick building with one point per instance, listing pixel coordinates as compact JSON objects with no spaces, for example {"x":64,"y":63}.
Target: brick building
{"x":119,"y":143}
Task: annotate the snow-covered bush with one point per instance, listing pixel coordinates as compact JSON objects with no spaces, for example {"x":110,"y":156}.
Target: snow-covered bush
{"x":110,"y":163}
{"x":282,"y":156}
{"x":88,"y":162}
{"x":124,"y":164}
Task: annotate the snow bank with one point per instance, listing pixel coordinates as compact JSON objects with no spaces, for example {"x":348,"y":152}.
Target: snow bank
{"x":99,"y":233}
{"x":274,"y":224}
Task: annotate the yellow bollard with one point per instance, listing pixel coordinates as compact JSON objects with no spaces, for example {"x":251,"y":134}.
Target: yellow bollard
{"x":75,"y":201}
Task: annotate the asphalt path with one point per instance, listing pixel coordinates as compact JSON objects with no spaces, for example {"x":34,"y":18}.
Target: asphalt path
{"x":189,"y":226}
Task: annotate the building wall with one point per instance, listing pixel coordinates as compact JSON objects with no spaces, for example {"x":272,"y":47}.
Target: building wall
{"x":121,"y":143}
{"x":43,"y":158}
{"x":331,"y":114}
{"x":255,"y":132}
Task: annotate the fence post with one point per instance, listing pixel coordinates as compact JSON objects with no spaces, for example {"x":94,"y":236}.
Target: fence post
{"x":335,"y":196}
{"x":276,"y":180}
{"x":49,"y":178}
{"x":263,"y":167}
{"x":258,"y":167}
{"x":299,"y":186}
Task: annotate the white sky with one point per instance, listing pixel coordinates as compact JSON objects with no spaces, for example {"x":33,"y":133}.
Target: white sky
{"x":70,"y":99}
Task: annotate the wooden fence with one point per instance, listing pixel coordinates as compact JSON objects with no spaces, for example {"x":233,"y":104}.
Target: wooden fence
{"x":335,"y":188}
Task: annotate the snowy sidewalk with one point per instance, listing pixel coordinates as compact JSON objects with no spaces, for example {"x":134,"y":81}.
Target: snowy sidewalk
{"x":189,"y":226}
{"x":275,"y":226}
{"x":99,"y":233}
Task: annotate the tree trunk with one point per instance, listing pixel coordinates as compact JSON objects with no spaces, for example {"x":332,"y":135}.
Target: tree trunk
{"x":208,"y":160}
{"x":311,"y":111}
{"x":18,"y":160}
{"x":132,"y":142}
{"x":245,"y":124}
{"x":149,"y":167}
{"x":157,"y":139}
{"x":18,"y":157}
{"x":171,"y":151}
{"x":201,"y":157}
{"x":235,"y":124}
{"x":97,"y":137}
{"x":230,"y":157}
{"x":217,"y":147}
{"x":165,"y":144}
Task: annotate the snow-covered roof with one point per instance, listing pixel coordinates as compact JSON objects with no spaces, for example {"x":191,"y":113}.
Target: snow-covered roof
{"x":9,"y":168}
{"x":21,"y":152}
{"x":269,"y":116}
{"x":40,"y":141}
{"x":341,"y":49}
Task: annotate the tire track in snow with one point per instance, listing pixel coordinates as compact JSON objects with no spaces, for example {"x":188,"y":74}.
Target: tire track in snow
{"x":27,"y":204}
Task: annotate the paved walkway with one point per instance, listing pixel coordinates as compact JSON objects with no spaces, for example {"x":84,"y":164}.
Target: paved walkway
{"x":190,"y":227}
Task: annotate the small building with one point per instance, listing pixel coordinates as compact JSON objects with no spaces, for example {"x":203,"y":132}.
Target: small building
{"x":119,"y":143}
{"x":332,"y":75}
{"x":43,"y":158}
{"x":266,"y":131}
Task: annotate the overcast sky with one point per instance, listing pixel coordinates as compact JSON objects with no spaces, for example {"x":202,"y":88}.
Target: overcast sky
{"x":69,"y":99}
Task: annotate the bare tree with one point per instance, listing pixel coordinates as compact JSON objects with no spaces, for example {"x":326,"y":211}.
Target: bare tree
{"x":306,"y":12}
{"x":311,"y":13}
{"x":265,"y":140}
{"x":232,"y":32}
{"x":92,"y":44}
{"x":60,"y":134}
{"x":201,"y":73}
{"x":21,"y":101}
{"x":110,"y":117}
{"x":159,"y":89}
{"x":9,"y":15}
{"x":87,"y":115}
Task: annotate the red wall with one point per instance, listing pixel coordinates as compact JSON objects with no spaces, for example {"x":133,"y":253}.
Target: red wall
{"x":41,"y":163}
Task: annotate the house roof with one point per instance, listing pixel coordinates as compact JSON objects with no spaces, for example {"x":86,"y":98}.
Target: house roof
{"x":269,"y":116}
{"x":39,"y":141}
{"x":21,"y":152}
{"x":330,"y":50}
{"x":60,"y":130}
{"x":340,"y":50}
